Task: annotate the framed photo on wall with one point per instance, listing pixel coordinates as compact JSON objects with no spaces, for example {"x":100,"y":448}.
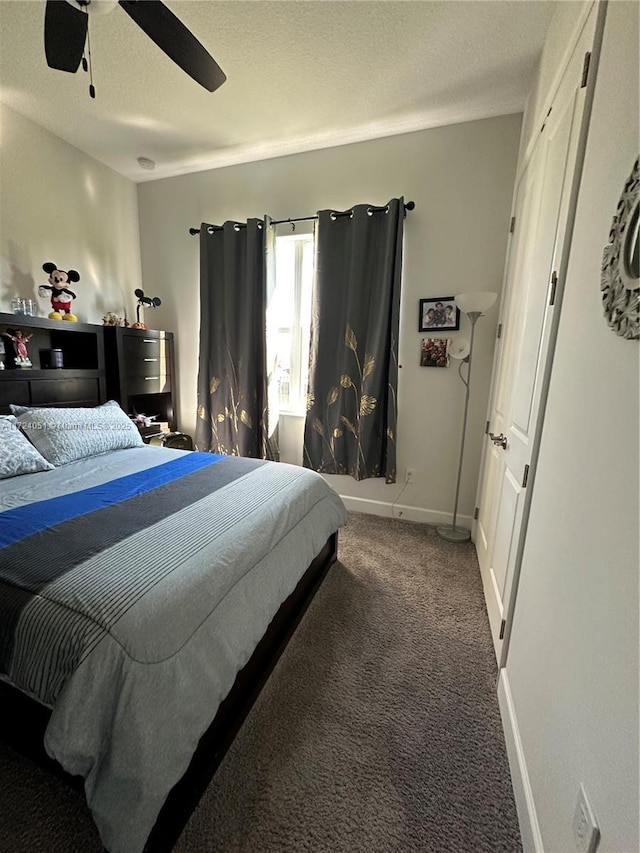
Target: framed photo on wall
{"x":438,"y":313}
{"x":435,"y":352}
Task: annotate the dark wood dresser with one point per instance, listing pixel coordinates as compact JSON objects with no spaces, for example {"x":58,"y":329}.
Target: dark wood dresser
{"x":81,"y":381}
{"x":140,"y":371}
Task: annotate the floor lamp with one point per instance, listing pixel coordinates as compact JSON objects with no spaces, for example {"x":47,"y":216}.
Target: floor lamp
{"x":474,"y":305}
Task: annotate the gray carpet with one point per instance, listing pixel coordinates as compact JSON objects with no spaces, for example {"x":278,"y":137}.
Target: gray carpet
{"x":378,"y":731}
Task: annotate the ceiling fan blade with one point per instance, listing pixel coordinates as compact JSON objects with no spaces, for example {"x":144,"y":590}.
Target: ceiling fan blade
{"x":171,"y":36}
{"x":65,"y":32}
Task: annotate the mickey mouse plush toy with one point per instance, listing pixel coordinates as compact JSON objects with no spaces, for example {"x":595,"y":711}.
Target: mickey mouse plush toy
{"x":61,"y":296}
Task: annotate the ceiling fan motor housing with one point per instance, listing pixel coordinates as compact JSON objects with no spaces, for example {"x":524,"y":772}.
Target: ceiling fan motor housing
{"x":95,"y":7}
{"x":66,"y":31}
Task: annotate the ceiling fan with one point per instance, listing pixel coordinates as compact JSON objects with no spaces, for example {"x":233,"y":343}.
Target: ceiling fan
{"x":66,"y":32}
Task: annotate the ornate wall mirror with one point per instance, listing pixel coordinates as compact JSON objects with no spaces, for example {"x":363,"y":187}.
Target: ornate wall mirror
{"x":620,"y":279}
{"x":631,"y":256}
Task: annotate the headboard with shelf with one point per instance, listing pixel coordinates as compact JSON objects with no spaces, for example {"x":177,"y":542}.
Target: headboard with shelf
{"x":81,"y":381}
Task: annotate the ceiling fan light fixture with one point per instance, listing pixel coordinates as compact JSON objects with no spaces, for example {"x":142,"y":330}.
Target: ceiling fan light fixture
{"x":95,"y":7}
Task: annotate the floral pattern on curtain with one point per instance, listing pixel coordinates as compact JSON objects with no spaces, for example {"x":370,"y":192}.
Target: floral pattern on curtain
{"x":351,"y":418}
{"x":232,"y":395}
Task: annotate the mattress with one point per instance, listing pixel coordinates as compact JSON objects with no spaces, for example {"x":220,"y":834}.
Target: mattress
{"x":133,"y":588}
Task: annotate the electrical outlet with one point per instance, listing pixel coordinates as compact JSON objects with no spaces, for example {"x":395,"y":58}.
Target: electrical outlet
{"x":585,"y":826}
{"x":409,"y":475}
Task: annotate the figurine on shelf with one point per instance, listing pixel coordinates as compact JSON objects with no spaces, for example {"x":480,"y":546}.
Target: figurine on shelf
{"x":111,"y":319}
{"x":144,"y":300}
{"x":142,"y":420}
{"x":20,"y":341}
{"x":61,"y":296}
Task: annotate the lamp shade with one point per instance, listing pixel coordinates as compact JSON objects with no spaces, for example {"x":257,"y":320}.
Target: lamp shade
{"x":459,"y":348}
{"x":475,"y":303}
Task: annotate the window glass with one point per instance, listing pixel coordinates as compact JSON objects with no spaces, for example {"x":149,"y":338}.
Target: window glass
{"x":289,"y":319}
{"x":281,"y":309}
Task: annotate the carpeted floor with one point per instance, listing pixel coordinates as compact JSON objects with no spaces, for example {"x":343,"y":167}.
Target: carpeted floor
{"x":378,"y":731}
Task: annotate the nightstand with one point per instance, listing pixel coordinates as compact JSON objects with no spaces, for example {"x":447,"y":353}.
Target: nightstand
{"x":140,"y":371}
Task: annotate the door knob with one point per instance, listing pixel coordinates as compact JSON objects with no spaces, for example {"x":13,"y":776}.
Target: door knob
{"x":499,"y":440}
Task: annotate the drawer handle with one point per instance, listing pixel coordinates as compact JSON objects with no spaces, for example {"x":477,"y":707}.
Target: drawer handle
{"x":149,"y":378}
{"x":148,"y":340}
{"x":151,"y":359}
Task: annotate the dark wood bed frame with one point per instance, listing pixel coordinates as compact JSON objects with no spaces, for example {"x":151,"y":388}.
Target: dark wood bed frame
{"x":25,"y":720}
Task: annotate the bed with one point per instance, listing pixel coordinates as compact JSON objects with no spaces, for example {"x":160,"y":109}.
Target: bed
{"x":145,"y":594}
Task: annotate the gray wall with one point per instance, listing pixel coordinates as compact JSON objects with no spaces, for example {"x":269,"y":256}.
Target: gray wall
{"x":461,"y":178}
{"x":58,"y":204}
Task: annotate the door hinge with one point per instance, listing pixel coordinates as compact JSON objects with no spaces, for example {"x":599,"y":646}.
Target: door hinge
{"x":512,"y":225}
{"x":486,"y":428}
{"x":503,"y":625}
{"x":499,"y":332}
{"x":525,"y":476}
{"x":554,"y":284}
{"x":476,"y":513}
{"x":585,"y":69}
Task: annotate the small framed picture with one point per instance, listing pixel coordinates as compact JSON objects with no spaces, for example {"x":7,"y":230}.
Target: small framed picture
{"x":435,"y":352}
{"x":438,"y":313}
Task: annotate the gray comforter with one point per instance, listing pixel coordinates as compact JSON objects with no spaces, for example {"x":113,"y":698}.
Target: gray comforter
{"x":130,"y":607}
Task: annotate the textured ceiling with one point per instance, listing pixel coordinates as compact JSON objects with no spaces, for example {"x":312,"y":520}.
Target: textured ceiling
{"x":301,"y":75}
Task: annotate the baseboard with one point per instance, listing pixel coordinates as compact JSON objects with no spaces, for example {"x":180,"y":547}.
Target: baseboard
{"x":406,"y":513}
{"x":527,"y":817}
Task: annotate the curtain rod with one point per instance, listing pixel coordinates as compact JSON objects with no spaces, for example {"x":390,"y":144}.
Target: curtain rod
{"x":410,"y":205}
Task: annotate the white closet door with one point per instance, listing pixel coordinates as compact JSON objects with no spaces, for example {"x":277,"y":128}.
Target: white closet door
{"x":542,"y":206}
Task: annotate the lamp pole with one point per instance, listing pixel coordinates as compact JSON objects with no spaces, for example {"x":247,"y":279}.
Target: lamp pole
{"x":449,"y":531}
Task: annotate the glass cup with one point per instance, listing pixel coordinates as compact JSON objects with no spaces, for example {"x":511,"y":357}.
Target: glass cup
{"x":18,"y":305}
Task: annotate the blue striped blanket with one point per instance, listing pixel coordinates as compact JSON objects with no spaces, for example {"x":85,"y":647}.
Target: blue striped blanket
{"x":44,"y":635}
{"x":129,"y":605}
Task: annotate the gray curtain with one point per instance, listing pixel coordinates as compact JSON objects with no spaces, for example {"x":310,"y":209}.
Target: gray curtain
{"x":353,"y":375}
{"x":232,"y":395}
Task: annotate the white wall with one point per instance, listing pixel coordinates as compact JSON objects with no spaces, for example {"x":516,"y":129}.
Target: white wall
{"x":461,"y":179}
{"x":572,"y":664}
{"x":58,"y":204}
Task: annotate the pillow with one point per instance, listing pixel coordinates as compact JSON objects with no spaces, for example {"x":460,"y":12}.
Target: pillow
{"x":17,"y":455}
{"x":64,"y":435}
{"x":20,"y":410}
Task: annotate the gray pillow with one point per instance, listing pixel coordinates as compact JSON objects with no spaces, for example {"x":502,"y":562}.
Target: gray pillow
{"x":17,"y":455}
{"x":20,"y":410}
{"x":64,"y":435}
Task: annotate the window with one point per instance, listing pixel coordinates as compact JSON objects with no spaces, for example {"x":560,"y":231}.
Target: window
{"x":289,"y":320}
